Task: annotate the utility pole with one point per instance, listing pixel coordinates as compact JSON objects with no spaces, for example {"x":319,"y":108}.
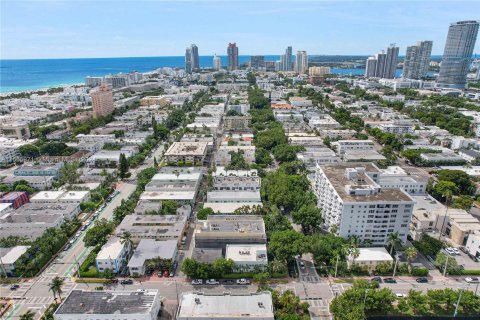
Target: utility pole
{"x":445,"y":268}
{"x":336,"y":265}
{"x":458,"y":302}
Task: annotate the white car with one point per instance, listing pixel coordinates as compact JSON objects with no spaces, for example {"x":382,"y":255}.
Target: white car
{"x":450,"y":251}
{"x":197,"y":281}
{"x":87,"y":223}
{"x":212,"y":282}
{"x":456,"y":251}
{"x":400,"y":295}
{"x":472,"y":279}
{"x":243,"y":281}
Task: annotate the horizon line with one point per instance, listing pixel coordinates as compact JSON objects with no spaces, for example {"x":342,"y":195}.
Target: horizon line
{"x":240,"y":55}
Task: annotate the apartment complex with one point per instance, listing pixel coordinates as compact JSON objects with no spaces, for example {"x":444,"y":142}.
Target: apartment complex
{"x":352,"y":200}
{"x":102,"y":101}
{"x":187,"y":153}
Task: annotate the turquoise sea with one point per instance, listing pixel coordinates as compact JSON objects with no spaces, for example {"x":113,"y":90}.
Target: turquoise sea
{"x":20,"y":75}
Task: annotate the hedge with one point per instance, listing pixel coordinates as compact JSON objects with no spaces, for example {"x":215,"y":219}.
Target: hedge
{"x":419,"y":272}
{"x":93,"y":280}
{"x":470,"y":272}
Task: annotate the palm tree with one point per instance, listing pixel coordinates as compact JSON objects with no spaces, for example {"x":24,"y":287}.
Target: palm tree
{"x":56,"y":287}
{"x":29,"y":315}
{"x":393,"y":241}
{"x":126,"y":239}
{"x":411,"y":254}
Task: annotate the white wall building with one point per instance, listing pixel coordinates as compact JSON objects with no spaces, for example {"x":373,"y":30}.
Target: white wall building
{"x":113,"y":255}
{"x":351,"y":199}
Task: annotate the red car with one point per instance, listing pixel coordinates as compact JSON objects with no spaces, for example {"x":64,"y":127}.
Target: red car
{"x":166,"y":273}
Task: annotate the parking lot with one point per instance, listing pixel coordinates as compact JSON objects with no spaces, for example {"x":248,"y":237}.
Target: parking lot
{"x":464,"y":260}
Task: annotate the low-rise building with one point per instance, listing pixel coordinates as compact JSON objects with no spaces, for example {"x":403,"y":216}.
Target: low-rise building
{"x":113,"y":255}
{"x":237,"y":123}
{"x":149,"y":249}
{"x":341,"y":146}
{"x":38,"y":170}
{"x":223,"y":156}
{"x":188,"y":153}
{"x":473,"y":244}
{"x":110,"y":305}
{"x":370,"y":258}
{"x":338,"y":134}
{"x":8,"y":258}
{"x":158,"y":227}
{"x":231,"y":207}
{"x":233,"y":196}
{"x":15,"y":198}
{"x":253,"y":306}
{"x":219,"y":230}
{"x":32,"y":219}
{"x":247,"y":257}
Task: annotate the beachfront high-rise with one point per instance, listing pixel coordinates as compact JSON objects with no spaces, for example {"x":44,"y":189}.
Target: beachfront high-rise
{"x":257,"y":62}
{"x":301,"y":62}
{"x":191,"y":59}
{"x":417,"y":60}
{"x":383,"y":65}
{"x":217,"y":62}
{"x":232,"y":52}
{"x":285,"y":63}
{"x":457,"y":54}
{"x":102,"y":101}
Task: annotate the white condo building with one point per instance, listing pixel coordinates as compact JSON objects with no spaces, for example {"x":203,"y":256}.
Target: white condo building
{"x":351,"y":199}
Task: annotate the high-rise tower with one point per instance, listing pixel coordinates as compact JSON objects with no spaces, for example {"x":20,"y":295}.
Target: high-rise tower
{"x":457,"y":54}
{"x":232,"y":52}
{"x":417,"y":60}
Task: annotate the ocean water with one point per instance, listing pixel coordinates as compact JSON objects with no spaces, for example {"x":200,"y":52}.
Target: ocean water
{"x":21,"y":75}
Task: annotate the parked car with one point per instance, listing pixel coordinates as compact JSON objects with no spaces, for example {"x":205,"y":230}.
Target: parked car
{"x":243,"y":281}
{"x":197,"y":281}
{"x":422,"y":280}
{"x":126,"y":281}
{"x":389,"y":280}
{"x":212,"y":282}
{"x":400,"y":295}
{"x":378,"y":279}
{"x":67,"y":247}
{"x":160,"y":274}
{"x":83,"y":228}
{"x":450,"y":251}
{"x":172,"y":274}
{"x":166,"y":273}
{"x":87,"y":223}
{"x":14,"y":287}
{"x":472,"y":279}
{"x":78,"y":234}
{"x":72,"y":241}
{"x":228,"y":282}
{"x":463,"y":249}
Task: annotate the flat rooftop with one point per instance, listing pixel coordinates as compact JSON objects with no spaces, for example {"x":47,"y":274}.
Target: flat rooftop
{"x":373,"y":254}
{"x":336,"y":175}
{"x":246,"y":252}
{"x":206,"y":255}
{"x":237,"y":224}
{"x":229,"y":207}
{"x":108,"y":302}
{"x":149,"y":249}
{"x":187,"y":149}
{"x":153,"y":226}
{"x":226,"y":306}
{"x":10,"y":255}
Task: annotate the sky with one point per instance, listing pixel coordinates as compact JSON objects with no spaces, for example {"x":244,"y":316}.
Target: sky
{"x":108,"y":28}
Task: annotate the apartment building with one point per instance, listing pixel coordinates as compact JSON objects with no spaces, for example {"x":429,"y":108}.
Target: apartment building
{"x":219,"y":230}
{"x":341,"y":146}
{"x":352,"y":200}
{"x":223,"y":156}
{"x":237,"y":123}
{"x":187,"y":153}
{"x":113,"y":255}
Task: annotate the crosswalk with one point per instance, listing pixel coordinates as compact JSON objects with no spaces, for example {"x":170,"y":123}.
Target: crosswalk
{"x":36,"y":300}
{"x":310,"y":279}
{"x":319,"y":309}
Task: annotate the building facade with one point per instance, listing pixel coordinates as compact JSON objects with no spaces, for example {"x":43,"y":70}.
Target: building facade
{"x":102,"y":101}
{"x":417,"y":60}
{"x":353,"y":202}
{"x":301,"y":62}
{"x":232,"y":52}
{"x":457,"y":54}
